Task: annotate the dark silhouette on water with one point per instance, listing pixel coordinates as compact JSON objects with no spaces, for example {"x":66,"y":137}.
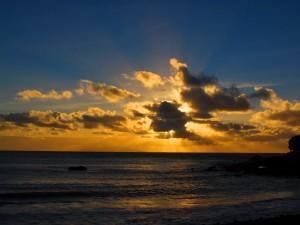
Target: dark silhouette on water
{"x":286,"y":165}
{"x":77,"y":168}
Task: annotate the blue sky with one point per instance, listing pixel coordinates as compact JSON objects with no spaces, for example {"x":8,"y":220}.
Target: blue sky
{"x":53,"y":44}
{"x":89,"y":74}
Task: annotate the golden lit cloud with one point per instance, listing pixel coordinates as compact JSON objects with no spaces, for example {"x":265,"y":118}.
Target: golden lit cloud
{"x":28,"y":95}
{"x":176,"y":64}
{"x":204,"y":94}
{"x":203,"y":129}
{"x":92,"y":118}
{"x":180,"y":112}
{"x":109,"y":92}
{"x":148,"y":79}
{"x":278,"y":112}
{"x":136,"y":109}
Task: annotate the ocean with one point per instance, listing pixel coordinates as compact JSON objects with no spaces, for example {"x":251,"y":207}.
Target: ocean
{"x":136,"y":188}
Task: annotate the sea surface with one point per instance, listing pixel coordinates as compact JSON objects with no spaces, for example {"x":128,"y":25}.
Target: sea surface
{"x":132,"y":188}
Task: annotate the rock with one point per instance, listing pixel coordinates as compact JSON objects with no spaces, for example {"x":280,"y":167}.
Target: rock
{"x":213,"y":169}
{"x":77,"y":168}
{"x":284,"y":165}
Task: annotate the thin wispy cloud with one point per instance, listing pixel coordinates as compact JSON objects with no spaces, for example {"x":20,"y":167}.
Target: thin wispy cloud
{"x":33,"y":94}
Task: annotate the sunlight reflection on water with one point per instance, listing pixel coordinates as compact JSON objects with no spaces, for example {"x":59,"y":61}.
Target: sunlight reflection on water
{"x":136,"y":190}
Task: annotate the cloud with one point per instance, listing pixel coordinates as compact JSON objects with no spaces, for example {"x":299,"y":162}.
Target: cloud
{"x":40,"y":119}
{"x":136,"y":110}
{"x":220,"y":130}
{"x":278,"y":112}
{"x":138,"y":121}
{"x":95,"y":117}
{"x":176,"y":64}
{"x":204,"y":103}
{"x":92,"y":118}
{"x":200,"y":98}
{"x":196,"y":108}
{"x":231,"y":127}
{"x":148,"y":79}
{"x":109,"y":92}
{"x":253,"y":85}
{"x":261,"y":93}
{"x":205,"y":94}
{"x":289,"y":117}
{"x":268,"y":134}
{"x":277,"y":119}
{"x":184,"y":78}
{"x":6,"y":126}
{"x":167,"y":118}
{"x":28,"y":95}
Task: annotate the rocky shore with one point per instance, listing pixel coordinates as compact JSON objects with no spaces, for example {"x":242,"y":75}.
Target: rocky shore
{"x":287,"y":165}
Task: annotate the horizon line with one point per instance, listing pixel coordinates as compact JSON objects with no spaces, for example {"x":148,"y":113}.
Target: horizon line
{"x":132,"y":152}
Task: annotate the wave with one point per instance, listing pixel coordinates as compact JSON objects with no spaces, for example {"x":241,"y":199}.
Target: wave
{"x":54,"y":194}
{"x":89,"y":193}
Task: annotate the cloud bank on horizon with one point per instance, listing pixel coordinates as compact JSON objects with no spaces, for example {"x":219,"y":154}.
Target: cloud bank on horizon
{"x":200,"y":112}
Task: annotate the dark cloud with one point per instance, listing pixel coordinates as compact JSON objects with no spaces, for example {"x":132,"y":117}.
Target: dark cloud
{"x":40,"y":119}
{"x":224,"y":99}
{"x":114,"y":122}
{"x":231,"y":127}
{"x":249,"y":132}
{"x":289,"y":117}
{"x":278,"y":112}
{"x":271,"y":135}
{"x":167,"y":117}
{"x":206,"y":95}
{"x":261,"y":93}
{"x":197,"y":81}
{"x":137,"y":114}
{"x":92,"y":118}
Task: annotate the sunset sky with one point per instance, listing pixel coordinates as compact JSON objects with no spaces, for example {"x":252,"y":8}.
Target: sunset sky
{"x":170,"y":76}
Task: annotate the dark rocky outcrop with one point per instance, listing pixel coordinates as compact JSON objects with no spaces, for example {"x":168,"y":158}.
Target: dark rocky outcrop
{"x":284,"y":165}
{"x":294,"y":144}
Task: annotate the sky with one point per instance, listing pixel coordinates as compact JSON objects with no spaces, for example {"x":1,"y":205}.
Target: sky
{"x":170,"y":76}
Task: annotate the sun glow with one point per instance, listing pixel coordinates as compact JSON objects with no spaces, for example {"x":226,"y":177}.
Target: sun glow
{"x":185,"y":108}
{"x":211,"y":89}
{"x":202,"y":129}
